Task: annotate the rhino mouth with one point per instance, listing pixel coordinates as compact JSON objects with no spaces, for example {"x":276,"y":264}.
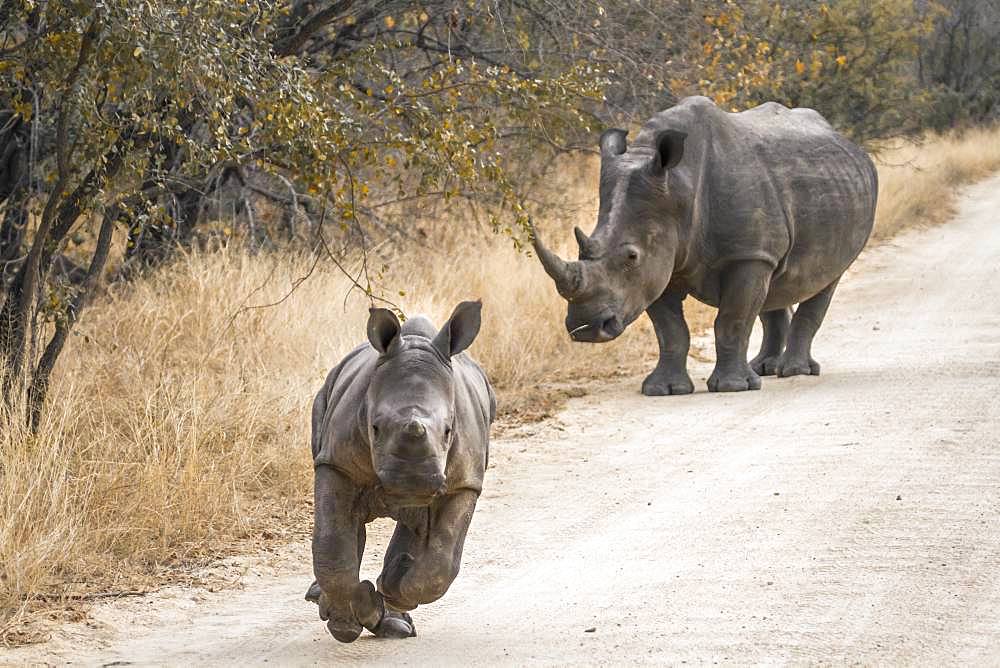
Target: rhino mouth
{"x":601,"y":330}
{"x":407,"y":489}
{"x":409,"y":499}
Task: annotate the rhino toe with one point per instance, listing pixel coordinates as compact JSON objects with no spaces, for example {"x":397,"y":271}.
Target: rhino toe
{"x":344,"y":630}
{"x":661,"y":385}
{"x":765,"y":366}
{"x":741,"y":382}
{"x":314,"y":592}
{"x":396,"y":625}
{"x":797,"y":367}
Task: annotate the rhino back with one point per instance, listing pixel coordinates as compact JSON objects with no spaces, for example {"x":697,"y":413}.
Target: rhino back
{"x":773,"y":184}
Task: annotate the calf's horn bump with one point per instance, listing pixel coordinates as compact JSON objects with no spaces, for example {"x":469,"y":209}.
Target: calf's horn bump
{"x":414,"y":428}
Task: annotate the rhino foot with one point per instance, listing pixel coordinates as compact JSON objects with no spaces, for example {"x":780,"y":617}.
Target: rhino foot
{"x":396,"y":625}
{"x":797,"y":367}
{"x":658,"y":384}
{"x":368,"y":611}
{"x":765,"y":365}
{"x":369,"y":607}
{"x":741,"y":381}
{"x":344,"y":630}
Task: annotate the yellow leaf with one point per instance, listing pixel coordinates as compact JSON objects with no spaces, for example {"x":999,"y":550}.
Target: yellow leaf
{"x":390,"y":22}
{"x":841,"y":60}
{"x":138,"y":51}
{"x":800,"y":67}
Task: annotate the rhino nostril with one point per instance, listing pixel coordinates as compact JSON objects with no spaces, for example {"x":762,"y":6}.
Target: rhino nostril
{"x":612,"y":326}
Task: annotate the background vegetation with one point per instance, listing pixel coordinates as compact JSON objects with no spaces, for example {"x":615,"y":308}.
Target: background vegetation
{"x":229,"y":185}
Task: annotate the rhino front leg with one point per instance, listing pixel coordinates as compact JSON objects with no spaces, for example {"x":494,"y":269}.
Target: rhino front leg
{"x":743,"y":290}
{"x":424,"y":559}
{"x":773,"y":344}
{"x":670,"y":375}
{"x":338,"y":539}
{"x":797,"y":358}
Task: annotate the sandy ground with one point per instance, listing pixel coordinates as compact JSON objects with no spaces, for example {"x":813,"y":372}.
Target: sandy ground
{"x":853,"y":517}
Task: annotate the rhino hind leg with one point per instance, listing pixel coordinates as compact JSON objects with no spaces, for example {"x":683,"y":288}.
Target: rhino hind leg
{"x":773,"y":344}
{"x":797,"y":359}
{"x":670,"y":375}
{"x":743,"y":291}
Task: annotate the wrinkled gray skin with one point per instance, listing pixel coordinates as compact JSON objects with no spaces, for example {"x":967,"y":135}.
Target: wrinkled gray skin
{"x":400,"y":429}
{"x":750,"y":212}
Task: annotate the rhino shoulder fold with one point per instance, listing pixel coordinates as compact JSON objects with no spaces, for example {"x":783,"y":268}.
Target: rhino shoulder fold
{"x":341,"y":381}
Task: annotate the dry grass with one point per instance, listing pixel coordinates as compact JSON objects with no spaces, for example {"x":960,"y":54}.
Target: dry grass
{"x":177,"y":429}
{"x":918,"y":182}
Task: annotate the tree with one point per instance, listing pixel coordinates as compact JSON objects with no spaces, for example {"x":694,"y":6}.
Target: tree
{"x":852,"y":60}
{"x":959,"y":61}
{"x":122,"y":113}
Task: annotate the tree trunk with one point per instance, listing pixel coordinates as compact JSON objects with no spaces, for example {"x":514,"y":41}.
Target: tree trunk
{"x":39,"y":387}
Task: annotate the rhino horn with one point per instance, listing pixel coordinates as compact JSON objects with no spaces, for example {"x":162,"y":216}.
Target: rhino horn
{"x":582,"y":241}
{"x":567,"y":275}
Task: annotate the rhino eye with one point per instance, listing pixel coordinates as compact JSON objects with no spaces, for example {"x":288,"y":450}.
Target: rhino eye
{"x":374,"y":430}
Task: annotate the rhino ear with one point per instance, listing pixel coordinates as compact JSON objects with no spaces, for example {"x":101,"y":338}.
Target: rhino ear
{"x":669,"y":149}
{"x":461,"y":329}
{"x":613,"y":142}
{"x":383,"y":328}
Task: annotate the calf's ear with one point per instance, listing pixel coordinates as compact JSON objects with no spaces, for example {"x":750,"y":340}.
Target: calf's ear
{"x":669,"y":149}
{"x":383,"y":328}
{"x":461,"y":329}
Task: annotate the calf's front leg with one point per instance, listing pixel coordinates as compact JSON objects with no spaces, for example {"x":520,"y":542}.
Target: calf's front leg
{"x":338,"y":541}
{"x":423,"y":558}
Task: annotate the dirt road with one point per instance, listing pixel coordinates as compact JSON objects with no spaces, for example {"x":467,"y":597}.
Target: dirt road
{"x":853,"y":517}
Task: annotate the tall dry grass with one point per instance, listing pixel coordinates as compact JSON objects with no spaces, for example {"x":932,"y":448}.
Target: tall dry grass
{"x":177,"y":429}
{"x":918,"y":182}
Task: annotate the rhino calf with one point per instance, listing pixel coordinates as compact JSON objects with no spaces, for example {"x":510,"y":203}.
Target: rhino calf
{"x":752,"y":212}
{"x":401,"y":430}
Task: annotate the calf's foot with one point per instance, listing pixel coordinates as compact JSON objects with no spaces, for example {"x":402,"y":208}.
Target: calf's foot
{"x":797,"y":366}
{"x":343,"y":627}
{"x":738,"y":380}
{"x":662,"y":383}
{"x":396,"y":625}
{"x":369,"y":607}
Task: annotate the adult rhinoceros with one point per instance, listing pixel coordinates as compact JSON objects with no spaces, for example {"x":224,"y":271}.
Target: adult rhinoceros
{"x":751,"y":212}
